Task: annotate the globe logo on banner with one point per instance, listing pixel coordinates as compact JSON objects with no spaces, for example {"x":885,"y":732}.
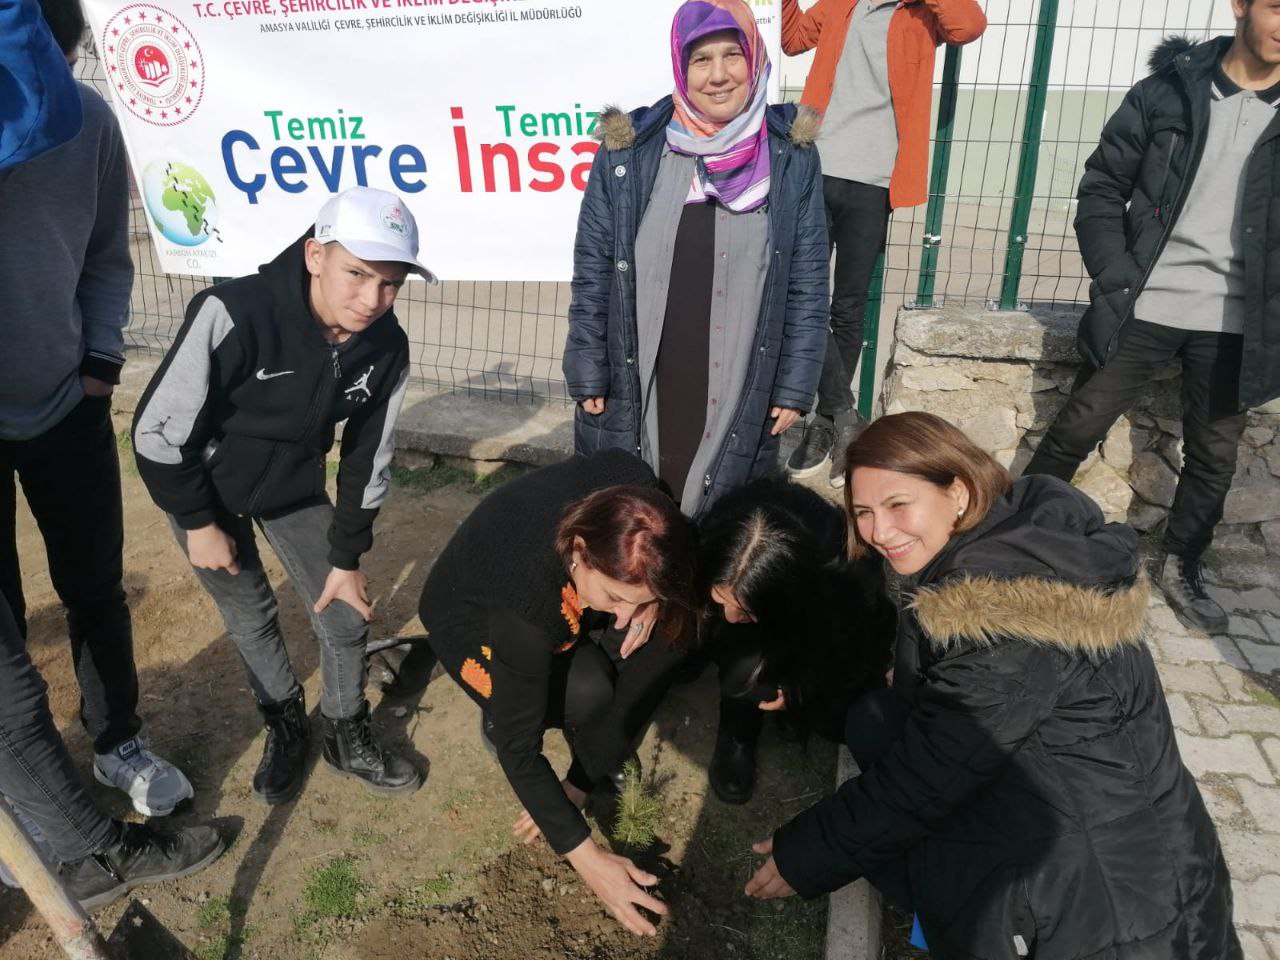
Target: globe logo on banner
{"x":181,"y":203}
{"x":154,"y":63}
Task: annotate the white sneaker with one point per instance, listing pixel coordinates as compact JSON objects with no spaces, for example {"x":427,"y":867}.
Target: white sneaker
{"x":154,"y":784}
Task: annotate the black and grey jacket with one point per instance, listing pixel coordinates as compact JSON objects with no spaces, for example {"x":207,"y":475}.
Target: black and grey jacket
{"x":241,"y":413}
{"x":1132,"y":193}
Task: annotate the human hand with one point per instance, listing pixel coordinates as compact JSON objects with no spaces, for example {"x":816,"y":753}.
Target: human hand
{"x":211,"y":548}
{"x":785,"y":417}
{"x":618,"y":883}
{"x":778,"y":703}
{"x":93,"y":387}
{"x":526,"y":831}
{"x":593,"y":405}
{"x":767,"y":883}
{"x":349,"y":586}
{"x":642,"y":624}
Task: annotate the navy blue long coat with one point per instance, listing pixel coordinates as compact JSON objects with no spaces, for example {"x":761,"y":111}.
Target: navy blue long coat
{"x":600,"y":357}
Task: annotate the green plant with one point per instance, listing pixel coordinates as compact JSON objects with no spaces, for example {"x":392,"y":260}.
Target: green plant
{"x":334,"y":890}
{"x":427,"y":479}
{"x":214,"y":911}
{"x":639,"y":811}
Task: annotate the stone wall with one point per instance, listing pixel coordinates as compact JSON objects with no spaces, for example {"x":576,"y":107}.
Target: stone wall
{"x":1001,"y":377}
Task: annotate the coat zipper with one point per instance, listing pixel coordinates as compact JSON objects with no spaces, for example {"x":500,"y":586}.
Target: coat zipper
{"x":1164,"y":181}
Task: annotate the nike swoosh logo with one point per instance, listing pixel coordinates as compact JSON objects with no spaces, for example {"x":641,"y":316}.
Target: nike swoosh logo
{"x":263,"y":375}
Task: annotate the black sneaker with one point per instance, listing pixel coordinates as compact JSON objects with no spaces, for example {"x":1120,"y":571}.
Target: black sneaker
{"x":351,"y":750}
{"x":849,"y":428}
{"x":141,"y":855}
{"x":814,"y":451}
{"x":1182,"y":581}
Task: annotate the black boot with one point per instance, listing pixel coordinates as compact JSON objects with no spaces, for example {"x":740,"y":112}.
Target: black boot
{"x":280,"y":774}
{"x":733,"y":765}
{"x":1182,"y":581}
{"x":139,"y":855}
{"x":350,"y":750}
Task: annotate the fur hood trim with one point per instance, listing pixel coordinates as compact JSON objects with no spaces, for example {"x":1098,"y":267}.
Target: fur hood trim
{"x":1167,"y":50}
{"x":1053,"y":613}
{"x":617,"y":131}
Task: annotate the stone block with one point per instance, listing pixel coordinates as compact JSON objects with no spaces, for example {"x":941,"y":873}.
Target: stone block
{"x":1198,"y":678}
{"x":1271,"y":536}
{"x":1145,"y":516}
{"x":964,"y":332}
{"x":1184,"y":718}
{"x":1123,"y":442}
{"x":1262,"y":601}
{"x":1251,"y":943}
{"x":1262,"y":657}
{"x":993,"y":429}
{"x":1272,"y":625}
{"x":1271,"y":747}
{"x":1223,"y":801}
{"x":1241,"y":625}
{"x":1258,"y":901}
{"x":1169,"y":425}
{"x":1258,"y":436}
{"x":1221,"y":719}
{"x":1273,"y":943}
{"x":1262,"y":804}
{"x":1272,"y":455}
{"x":1200,"y":649}
{"x":1107,"y":489}
{"x":934,"y":379}
{"x":1153,"y":479}
{"x":1233,"y":680}
{"x":1252,"y":502}
{"x":1236,"y":754}
{"x":1250,"y":855}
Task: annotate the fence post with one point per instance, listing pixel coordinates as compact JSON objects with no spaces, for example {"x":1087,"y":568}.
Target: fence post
{"x":871,"y":340}
{"x":938,"y":180}
{"x":1033,"y":123}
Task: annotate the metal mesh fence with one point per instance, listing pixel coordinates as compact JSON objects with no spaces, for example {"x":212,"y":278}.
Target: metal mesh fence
{"x":503,"y":340}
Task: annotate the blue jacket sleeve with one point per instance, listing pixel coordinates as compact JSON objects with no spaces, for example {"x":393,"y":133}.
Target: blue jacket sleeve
{"x":586,"y":354}
{"x":39,"y":103}
{"x":804,"y":332}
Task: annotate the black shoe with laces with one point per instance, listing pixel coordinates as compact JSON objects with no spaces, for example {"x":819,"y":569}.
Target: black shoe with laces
{"x":280,"y":773}
{"x":350,"y":750}
{"x":140,"y":855}
{"x":1182,"y":581}
{"x":849,"y":427}
{"x":813,"y":453}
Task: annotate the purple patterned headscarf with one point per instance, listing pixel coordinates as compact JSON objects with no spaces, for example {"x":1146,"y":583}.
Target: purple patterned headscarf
{"x":734,"y":156}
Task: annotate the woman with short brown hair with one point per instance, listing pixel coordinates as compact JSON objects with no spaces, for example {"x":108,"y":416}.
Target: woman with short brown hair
{"x":1033,"y":802}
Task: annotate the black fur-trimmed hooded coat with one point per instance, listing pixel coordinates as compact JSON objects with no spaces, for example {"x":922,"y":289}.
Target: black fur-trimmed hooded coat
{"x":1133,"y":190}
{"x":1036,"y":804}
{"x":791,"y":329}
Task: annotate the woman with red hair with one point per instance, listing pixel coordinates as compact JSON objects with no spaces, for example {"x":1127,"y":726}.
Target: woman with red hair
{"x":541,"y":607}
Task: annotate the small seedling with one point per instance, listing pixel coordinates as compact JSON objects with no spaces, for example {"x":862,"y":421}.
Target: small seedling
{"x":639,"y":811}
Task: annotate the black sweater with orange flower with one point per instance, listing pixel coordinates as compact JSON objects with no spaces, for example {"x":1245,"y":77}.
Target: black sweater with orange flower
{"x":494,"y":598}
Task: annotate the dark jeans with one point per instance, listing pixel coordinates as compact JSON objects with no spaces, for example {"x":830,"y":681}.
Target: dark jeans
{"x":71,"y":478}
{"x":36,"y":772}
{"x":857,"y":225}
{"x":247,"y":603}
{"x":1211,"y":423}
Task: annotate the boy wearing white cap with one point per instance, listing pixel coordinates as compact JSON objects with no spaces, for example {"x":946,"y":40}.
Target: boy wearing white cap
{"x":233,"y":432}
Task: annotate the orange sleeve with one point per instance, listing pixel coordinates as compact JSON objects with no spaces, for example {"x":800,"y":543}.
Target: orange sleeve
{"x":801,"y":28}
{"x":955,"y":21}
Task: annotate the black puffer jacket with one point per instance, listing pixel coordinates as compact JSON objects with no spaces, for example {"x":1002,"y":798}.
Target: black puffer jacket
{"x":1036,"y":801}
{"x":1133,"y":191}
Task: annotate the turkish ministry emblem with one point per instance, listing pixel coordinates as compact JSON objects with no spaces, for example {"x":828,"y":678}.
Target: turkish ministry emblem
{"x":154,"y":63}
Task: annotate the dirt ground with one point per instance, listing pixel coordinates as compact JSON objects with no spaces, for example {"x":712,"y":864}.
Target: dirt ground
{"x":342,"y":875}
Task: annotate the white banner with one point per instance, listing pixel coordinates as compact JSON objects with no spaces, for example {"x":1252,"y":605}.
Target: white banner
{"x":241,"y":117}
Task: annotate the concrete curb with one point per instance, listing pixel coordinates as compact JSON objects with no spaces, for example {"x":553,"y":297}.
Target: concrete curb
{"x":853,"y":913}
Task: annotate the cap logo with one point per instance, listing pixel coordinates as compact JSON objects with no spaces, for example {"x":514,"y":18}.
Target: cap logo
{"x":393,"y":220}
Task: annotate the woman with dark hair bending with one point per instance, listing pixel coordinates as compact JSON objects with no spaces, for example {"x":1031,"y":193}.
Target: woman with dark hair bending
{"x":1033,"y":802}
{"x":795,"y":627}
{"x":541,"y":607}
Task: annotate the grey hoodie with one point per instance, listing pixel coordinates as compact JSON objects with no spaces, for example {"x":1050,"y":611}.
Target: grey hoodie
{"x":65,"y":273}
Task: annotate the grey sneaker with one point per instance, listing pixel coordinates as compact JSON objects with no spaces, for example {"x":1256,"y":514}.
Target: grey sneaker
{"x":814,"y":451}
{"x":1183,"y":586}
{"x":154,"y":785}
{"x":848,"y":429}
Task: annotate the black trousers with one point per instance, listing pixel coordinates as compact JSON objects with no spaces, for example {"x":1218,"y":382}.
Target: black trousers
{"x":857,"y":226}
{"x":71,"y":478}
{"x":1211,"y":423}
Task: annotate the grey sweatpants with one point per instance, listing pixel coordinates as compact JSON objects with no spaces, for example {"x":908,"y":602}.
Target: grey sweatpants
{"x":248,"y":607}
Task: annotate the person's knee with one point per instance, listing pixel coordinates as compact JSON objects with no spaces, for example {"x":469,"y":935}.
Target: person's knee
{"x":590,"y":687}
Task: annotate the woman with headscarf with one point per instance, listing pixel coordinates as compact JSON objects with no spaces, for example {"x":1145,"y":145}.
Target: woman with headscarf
{"x":699,"y":314}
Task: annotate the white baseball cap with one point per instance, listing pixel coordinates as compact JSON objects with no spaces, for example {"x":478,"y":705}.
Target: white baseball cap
{"x":373,"y":225}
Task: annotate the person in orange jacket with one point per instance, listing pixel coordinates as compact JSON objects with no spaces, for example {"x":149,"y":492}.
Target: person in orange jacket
{"x":871,"y":81}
